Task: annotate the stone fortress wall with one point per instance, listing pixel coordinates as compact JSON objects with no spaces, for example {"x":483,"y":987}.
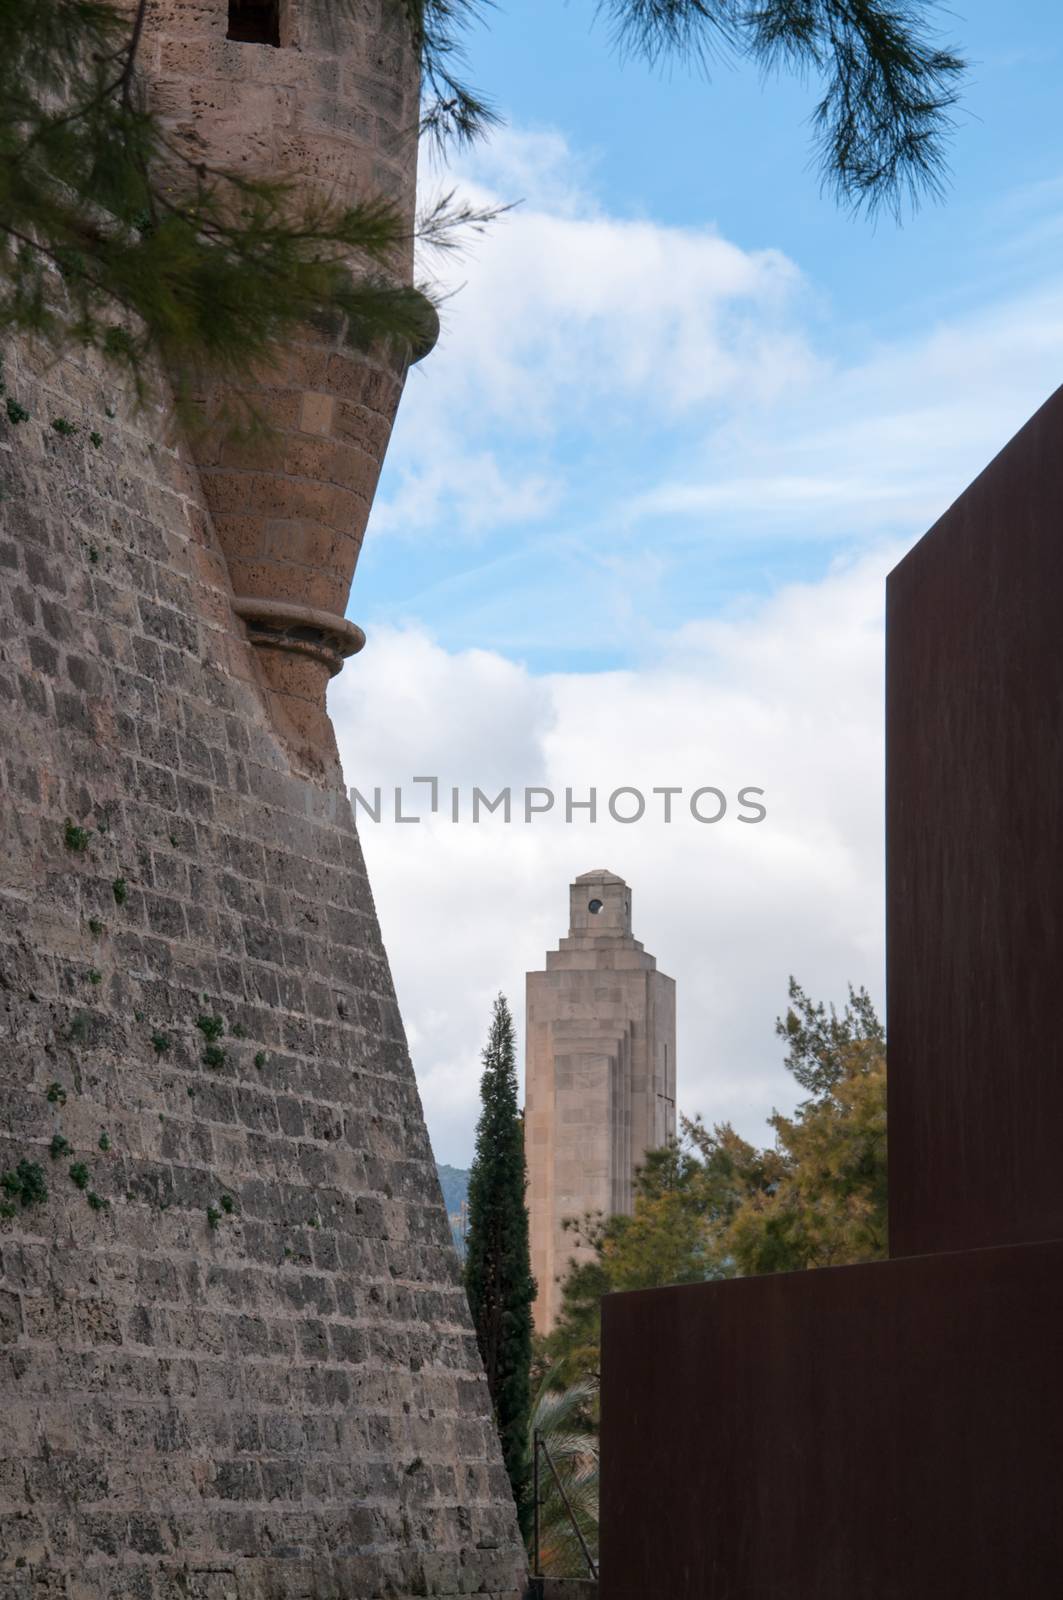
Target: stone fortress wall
{"x":235,"y":1355}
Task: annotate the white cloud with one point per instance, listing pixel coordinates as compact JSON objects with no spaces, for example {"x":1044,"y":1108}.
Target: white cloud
{"x":637,"y":407}
{"x":718,"y":367}
{"x":563,"y":317}
{"x":787,"y":698}
{"x":470,"y":484}
{"x":887,"y":442}
{"x":561,"y":303}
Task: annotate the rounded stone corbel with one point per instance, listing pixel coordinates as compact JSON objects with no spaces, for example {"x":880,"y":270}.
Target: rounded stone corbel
{"x":282,"y":625}
{"x":430,"y":336}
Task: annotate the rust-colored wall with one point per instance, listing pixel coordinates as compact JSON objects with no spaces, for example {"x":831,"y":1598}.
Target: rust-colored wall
{"x":974,"y":806}
{"x":888,"y":1432}
{"x":892,"y":1431}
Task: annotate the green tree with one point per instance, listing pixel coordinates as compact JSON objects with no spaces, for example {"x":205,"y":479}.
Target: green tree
{"x":498,"y":1278}
{"x":564,"y":1418}
{"x":828,"y":1205}
{"x":115,"y":237}
{"x":686,"y":1196}
{"x":820,"y":1045}
{"x":714,"y":1206}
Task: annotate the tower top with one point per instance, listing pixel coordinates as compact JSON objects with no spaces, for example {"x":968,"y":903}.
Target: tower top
{"x":599,"y":904}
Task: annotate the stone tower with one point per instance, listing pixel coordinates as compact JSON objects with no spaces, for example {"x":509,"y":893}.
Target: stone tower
{"x":235,"y":1355}
{"x":328,"y":95}
{"x":600,"y":1085}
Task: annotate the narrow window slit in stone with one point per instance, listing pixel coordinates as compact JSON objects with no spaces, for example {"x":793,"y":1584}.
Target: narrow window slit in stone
{"x":255,"y":22}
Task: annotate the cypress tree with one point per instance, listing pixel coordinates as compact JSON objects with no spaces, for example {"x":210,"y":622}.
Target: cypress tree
{"x":498,"y":1278}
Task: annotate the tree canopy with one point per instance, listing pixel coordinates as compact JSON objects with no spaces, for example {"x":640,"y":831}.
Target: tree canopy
{"x":714,"y":1206}
{"x":114,"y":237}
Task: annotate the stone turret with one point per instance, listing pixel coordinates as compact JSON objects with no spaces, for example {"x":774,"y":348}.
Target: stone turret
{"x":328,"y":95}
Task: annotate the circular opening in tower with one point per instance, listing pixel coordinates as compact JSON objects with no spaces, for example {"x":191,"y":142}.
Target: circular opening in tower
{"x":594,"y":906}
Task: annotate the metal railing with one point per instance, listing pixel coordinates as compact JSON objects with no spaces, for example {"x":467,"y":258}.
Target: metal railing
{"x":541,"y":1447}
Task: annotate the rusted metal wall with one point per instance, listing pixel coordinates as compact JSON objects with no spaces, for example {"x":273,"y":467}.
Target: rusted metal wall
{"x":895,"y":1431}
{"x":974,"y":806}
{"x":889,"y":1432}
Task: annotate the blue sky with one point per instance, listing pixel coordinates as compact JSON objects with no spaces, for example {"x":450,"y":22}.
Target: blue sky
{"x":731,"y":155}
{"x":735,"y":150}
{"x":640,"y":504}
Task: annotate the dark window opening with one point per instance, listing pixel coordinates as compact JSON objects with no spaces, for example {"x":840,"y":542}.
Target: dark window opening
{"x":255,"y":22}
{"x":594,"y":906}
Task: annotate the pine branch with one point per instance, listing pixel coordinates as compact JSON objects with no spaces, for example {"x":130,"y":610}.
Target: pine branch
{"x":446,"y":223}
{"x":452,"y":112}
{"x":691,"y":30}
{"x":880,"y":126}
{"x":113,"y":237}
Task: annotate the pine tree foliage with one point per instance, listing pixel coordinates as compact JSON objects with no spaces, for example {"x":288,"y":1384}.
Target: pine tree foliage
{"x":820,"y":1044}
{"x":114,"y":237}
{"x":452,"y":111}
{"x":887,"y":88}
{"x":498,"y":1278}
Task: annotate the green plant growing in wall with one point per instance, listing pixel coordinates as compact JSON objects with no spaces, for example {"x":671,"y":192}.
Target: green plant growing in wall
{"x":79,"y":1175}
{"x":59,"y":1147}
{"x":55,"y":1094}
{"x":25,"y":1185}
{"x":120,"y":890}
{"x":160,"y":1043}
{"x":211,"y":1027}
{"x":76,"y":838}
{"x":79,"y":1027}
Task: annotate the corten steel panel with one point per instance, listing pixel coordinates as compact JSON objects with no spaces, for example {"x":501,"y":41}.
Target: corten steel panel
{"x":975,"y":860}
{"x":889,"y":1432}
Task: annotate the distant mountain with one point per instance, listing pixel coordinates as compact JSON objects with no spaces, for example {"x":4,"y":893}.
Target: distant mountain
{"x":455,"y":1186}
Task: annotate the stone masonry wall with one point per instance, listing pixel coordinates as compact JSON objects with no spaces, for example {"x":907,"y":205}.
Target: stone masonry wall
{"x":235,"y":1358}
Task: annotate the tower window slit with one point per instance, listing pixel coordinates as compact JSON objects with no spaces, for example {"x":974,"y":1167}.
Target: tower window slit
{"x":255,"y":22}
